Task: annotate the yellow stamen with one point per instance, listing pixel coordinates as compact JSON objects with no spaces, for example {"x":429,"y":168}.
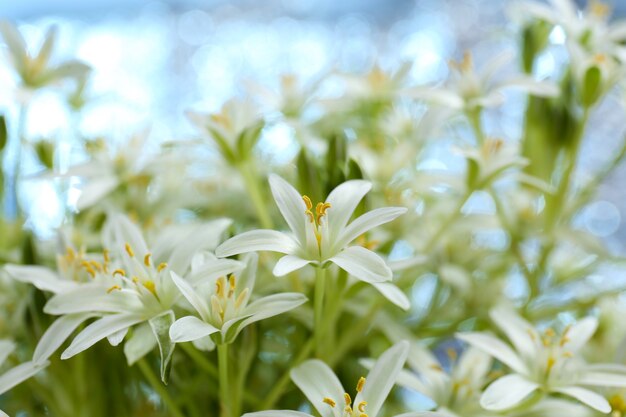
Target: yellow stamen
{"x":568,"y":354}
{"x":105,"y":254}
{"x":347,"y":399}
{"x":599,"y":9}
{"x":119,"y":271}
{"x":329,"y":401}
{"x":550,"y":364}
{"x":219,"y":287}
{"x":232,"y":283}
{"x":452,"y":355}
{"x":135,"y":280}
{"x":161,"y":266}
{"x":146,"y":259}
{"x":149,"y":285}
{"x":360,"y":384}
{"x":97,"y":265}
{"x":361,"y":406}
{"x":71,"y":254}
{"x":240,"y":299}
{"x":307,"y":202}
{"x":115,"y":287}
{"x":129,"y":250}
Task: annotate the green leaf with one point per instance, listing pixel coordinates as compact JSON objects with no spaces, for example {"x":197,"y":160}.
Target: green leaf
{"x":3,"y":132}
{"x":592,"y":86}
{"x":45,"y":153}
{"x":161,"y":327}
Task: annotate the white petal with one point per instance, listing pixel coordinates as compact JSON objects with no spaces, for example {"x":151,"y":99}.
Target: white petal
{"x":277,"y":413}
{"x":117,"y":337}
{"x":507,"y":392}
{"x":119,"y":231}
{"x":532,"y":86}
{"x":190,"y":328}
{"x":317,"y":381}
{"x":517,"y":330}
{"x":362,"y":264}
{"x":603,"y":379}
{"x":247,"y":277}
{"x":140,"y":343}
{"x":496,"y":63}
{"x":423,"y":414}
{"x":444,"y":97}
{"x":257,"y":240}
{"x":95,"y":190}
{"x":580,"y":333}
{"x":290,"y":204}
{"x":410,"y":381}
{"x":287,"y":264}
{"x":585,"y":396}
{"x":99,"y":330}
{"x":495,"y":348}
{"x":271,"y":306}
{"x":40,"y":277}
{"x":214,"y":268}
{"x":382,"y":377}
{"x":366,"y":222}
{"x":56,"y":334}
{"x":19,"y":374}
{"x":192,"y":296}
{"x":393,"y":294}
{"x":343,"y":201}
{"x":89,"y":298}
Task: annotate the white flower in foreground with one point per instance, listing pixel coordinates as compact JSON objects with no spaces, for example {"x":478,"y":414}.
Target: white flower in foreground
{"x":319,"y":238}
{"x":129,"y":289}
{"x":17,"y":374}
{"x":323,"y":389}
{"x":544,"y":362}
{"x":224,"y":305}
{"x":469,"y":89}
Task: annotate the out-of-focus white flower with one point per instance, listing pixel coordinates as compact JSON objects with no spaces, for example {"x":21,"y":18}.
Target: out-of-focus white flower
{"x":469,"y":89}
{"x":376,"y":84}
{"x":543,"y":361}
{"x":235,"y":129}
{"x":325,"y":392}
{"x":322,"y":237}
{"x":35,"y":70}
{"x":17,"y":374}
{"x":224,"y":305}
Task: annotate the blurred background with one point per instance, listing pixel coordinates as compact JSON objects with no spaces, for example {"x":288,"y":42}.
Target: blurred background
{"x":154,"y":60}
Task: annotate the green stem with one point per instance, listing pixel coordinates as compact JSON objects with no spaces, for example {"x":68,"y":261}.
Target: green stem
{"x":12,"y":206}
{"x":199,"y":359}
{"x":279,"y":387}
{"x":318,"y":324}
{"x":474,"y":118}
{"x":160,"y":389}
{"x":225,"y":395}
{"x":250,"y":176}
{"x":354,"y":334}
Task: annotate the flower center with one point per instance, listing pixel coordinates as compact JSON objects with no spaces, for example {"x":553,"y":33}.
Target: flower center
{"x":315,"y":219}
{"x":145,"y":273}
{"x":224,"y":304}
{"x":465,"y":65}
{"x":348,"y":410}
{"x":599,"y":9}
{"x":618,"y":406}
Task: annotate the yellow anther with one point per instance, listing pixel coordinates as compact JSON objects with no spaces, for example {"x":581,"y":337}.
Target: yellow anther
{"x":232,"y":283}
{"x":568,"y":354}
{"x":436,"y":367}
{"x":363,"y":415}
{"x":70,"y":254}
{"x":135,"y":280}
{"x":307,"y":202}
{"x":129,"y":250}
{"x":149,"y":285}
{"x":361,"y":406}
{"x":321,"y":208}
{"x":465,"y":65}
{"x":146,"y":259}
{"x":452,"y":355}
{"x":219,"y":287}
{"x":531,"y":333}
{"x":115,"y":287}
{"x":119,"y":271}
{"x":161,"y":266}
{"x":106,"y":256}
{"x":347,"y":399}
{"x":599,"y":9}
{"x":329,"y":401}
{"x":618,"y":404}
{"x":360,"y":384}
{"x":549,"y":332}
{"x":216,"y":307}
{"x":97,"y":265}
{"x":550,"y":364}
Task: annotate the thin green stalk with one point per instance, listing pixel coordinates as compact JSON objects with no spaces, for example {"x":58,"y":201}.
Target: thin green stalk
{"x":200,"y":360}
{"x":279,"y":387}
{"x":225,"y":395}
{"x":250,"y":178}
{"x":354,"y":334}
{"x":12,"y":206}
{"x":160,"y":389}
{"x":474,"y":119}
{"x":318,"y":324}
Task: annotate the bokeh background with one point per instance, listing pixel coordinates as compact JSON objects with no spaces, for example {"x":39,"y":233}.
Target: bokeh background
{"x":154,"y":60}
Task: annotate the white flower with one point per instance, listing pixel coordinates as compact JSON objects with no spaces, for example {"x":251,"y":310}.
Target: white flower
{"x":469,"y":89}
{"x":543,"y":362}
{"x":35,"y":70}
{"x":129,"y":288}
{"x":223,"y":305}
{"x":323,"y":389}
{"x":322,"y":237}
{"x":17,"y":374}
